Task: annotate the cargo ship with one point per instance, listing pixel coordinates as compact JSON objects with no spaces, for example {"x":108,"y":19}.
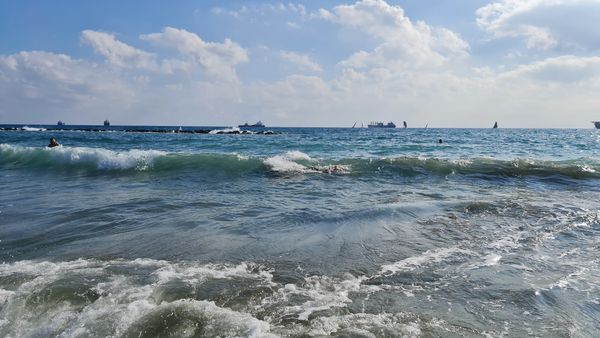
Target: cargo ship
{"x":258,"y":124}
{"x":382,"y":125}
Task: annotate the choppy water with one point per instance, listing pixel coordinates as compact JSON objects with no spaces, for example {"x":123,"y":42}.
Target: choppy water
{"x":306,"y":232}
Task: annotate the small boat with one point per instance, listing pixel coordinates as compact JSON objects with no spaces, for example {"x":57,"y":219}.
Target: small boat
{"x":596,"y":124}
{"x":106,"y":123}
{"x":381,"y":125}
{"x":495,"y":125}
{"x":405,"y":125}
{"x":60,"y":123}
{"x":354,"y":125}
{"x":258,"y":124}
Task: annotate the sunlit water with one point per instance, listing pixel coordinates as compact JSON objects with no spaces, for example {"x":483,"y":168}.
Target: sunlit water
{"x":348,"y":232}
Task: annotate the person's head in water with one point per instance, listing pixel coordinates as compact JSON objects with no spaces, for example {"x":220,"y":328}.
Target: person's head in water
{"x":53,"y":143}
{"x":440,"y":141}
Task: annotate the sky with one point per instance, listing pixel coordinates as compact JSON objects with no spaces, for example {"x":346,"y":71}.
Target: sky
{"x":442,"y":63}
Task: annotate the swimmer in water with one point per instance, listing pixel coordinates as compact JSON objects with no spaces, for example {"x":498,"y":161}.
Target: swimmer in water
{"x":440,"y":141}
{"x":53,"y":143}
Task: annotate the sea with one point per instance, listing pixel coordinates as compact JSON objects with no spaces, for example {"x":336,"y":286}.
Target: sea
{"x":299,"y":232}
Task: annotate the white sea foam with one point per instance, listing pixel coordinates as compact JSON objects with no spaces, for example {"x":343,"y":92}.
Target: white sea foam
{"x":26,"y":128}
{"x":299,"y":162}
{"x":570,"y":279}
{"x":201,"y":273}
{"x":99,"y":157}
{"x":491,"y":259}
{"x":225,"y":131}
{"x":286,"y":163}
{"x":126,"y":306}
{"x":282,"y":164}
{"x":507,"y":243}
{"x":366,"y":325}
{"x":5,"y":295}
{"x":108,"y":159}
{"x":320,"y":292}
{"x":122,"y":306}
{"x":295,"y":155}
{"x":428,"y":257}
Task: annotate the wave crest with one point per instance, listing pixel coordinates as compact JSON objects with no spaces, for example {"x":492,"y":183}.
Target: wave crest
{"x":98,"y":158}
{"x":291,"y":162}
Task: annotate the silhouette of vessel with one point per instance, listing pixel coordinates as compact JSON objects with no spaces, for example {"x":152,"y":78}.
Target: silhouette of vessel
{"x":381,"y":125}
{"x":258,"y":124}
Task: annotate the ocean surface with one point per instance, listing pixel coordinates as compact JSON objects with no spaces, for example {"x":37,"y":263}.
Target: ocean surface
{"x":300,"y":232}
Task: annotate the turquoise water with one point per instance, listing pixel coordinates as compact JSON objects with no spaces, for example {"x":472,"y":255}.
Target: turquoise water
{"x":303,"y":232}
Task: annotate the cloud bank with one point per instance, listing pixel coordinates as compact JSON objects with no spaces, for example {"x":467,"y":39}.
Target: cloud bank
{"x":403,"y":69}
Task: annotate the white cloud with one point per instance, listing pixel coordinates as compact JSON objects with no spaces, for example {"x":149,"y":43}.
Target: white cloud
{"x":302,"y":61}
{"x":117,"y":52}
{"x":293,"y":25}
{"x":322,"y":13}
{"x":261,"y":9}
{"x":132,"y":85}
{"x":122,"y":55}
{"x":34,"y":84}
{"x":543,"y":24}
{"x":402,"y":43}
{"x":233,"y":13}
{"x":408,"y":70}
{"x":563,"y":69}
{"x":217,"y":59}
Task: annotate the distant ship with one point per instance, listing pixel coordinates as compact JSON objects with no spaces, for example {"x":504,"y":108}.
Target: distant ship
{"x":495,"y":125}
{"x":258,"y":124}
{"x":597,"y":124}
{"x":405,"y":125}
{"x":60,"y":123}
{"x":381,"y":125}
{"x":106,"y":123}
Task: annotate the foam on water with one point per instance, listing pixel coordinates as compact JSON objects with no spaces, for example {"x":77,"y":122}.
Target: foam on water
{"x":287,"y":163}
{"x":488,"y":234}
{"x":88,"y":297}
{"x":158,"y":298}
{"x":26,"y":128}
{"x":428,"y":257}
{"x":225,"y":131}
{"x":96,"y":157}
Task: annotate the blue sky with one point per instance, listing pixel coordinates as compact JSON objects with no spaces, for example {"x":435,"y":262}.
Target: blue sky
{"x":524,"y":63}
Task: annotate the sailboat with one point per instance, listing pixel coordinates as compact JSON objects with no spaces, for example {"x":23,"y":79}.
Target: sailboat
{"x":405,"y":125}
{"x":426,"y":125}
{"x":354,"y":125}
{"x":495,"y":125}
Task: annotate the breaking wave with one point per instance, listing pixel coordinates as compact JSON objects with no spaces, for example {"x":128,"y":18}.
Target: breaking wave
{"x":156,"y":298}
{"x":291,"y":162}
{"x":26,"y":128}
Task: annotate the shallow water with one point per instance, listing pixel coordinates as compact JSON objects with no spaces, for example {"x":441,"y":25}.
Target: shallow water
{"x":308,"y":231}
